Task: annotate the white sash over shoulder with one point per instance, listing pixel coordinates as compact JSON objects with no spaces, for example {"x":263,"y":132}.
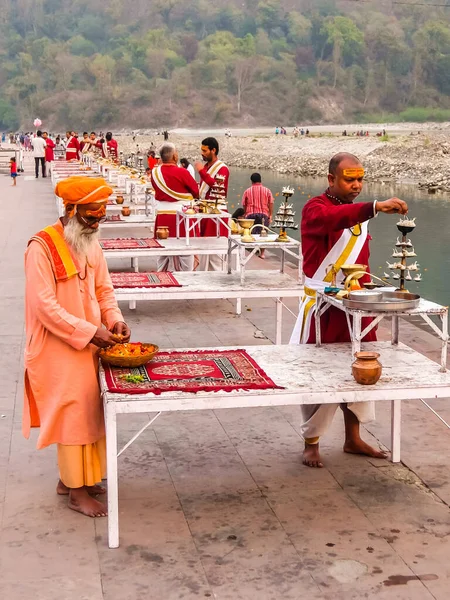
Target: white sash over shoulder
{"x":345,"y":251}
{"x":212,"y":172}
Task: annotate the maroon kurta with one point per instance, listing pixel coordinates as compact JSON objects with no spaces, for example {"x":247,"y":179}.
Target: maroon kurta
{"x":178,"y":180}
{"x":207,"y":226}
{"x":323,"y":221}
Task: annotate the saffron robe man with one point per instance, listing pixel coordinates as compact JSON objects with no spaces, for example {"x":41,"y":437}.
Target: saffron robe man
{"x":69,"y":296}
{"x":334,"y":232}
{"x":208,"y":174}
{"x":174,"y":188}
{"x":72,"y":146}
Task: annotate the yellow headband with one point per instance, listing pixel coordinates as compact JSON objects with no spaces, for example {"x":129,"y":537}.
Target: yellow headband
{"x":355,"y":173}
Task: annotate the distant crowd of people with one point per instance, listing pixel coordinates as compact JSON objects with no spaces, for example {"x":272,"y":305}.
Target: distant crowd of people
{"x":295,"y":132}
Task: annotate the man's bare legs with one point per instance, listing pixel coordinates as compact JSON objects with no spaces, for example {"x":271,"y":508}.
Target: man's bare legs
{"x":94,"y":490}
{"x":82,"y":502}
{"x":353,"y":442}
{"x":311,"y":456}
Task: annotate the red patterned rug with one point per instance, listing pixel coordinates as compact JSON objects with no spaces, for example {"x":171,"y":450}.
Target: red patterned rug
{"x":192,"y":372}
{"x":129,"y":243}
{"x":113,"y":218}
{"x":144,"y":280}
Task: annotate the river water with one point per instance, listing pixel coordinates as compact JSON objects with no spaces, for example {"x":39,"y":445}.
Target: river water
{"x":431,"y":238}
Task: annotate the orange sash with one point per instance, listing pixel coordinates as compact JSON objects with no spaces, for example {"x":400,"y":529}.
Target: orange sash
{"x":63,"y":264}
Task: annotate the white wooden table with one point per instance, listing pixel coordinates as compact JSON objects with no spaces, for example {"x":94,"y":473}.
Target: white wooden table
{"x":216,"y":285}
{"x":133,"y":222}
{"x":174,"y":247}
{"x":425,"y":310}
{"x":309,"y":375}
{"x":191,"y":222}
{"x":246,"y":250}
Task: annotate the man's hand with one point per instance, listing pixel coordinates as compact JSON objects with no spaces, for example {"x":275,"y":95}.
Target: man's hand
{"x":392,"y":206}
{"x":199,"y":166}
{"x":122,"y":330}
{"x":104,"y":338}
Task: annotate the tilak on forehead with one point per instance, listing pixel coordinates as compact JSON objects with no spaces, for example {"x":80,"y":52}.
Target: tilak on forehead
{"x":98,"y":214}
{"x":354,"y":173}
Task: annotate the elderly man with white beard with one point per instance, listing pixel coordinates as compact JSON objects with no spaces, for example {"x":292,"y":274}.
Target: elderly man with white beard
{"x":69,"y":296}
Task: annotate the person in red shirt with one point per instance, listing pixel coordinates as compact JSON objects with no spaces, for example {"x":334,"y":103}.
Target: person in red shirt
{"x":334,"y":230}
{"x":49,"y":154}
{"x":152,"y":160}
{"x":108,"y":146}
{"x":13,"y":170}
{"x":85,"y":143}
{"x":112,"y":146}
{"x":72,"y":146}
{"x":174,"y":188}
{"x":258,"y":203}
{"x":214,"y":177}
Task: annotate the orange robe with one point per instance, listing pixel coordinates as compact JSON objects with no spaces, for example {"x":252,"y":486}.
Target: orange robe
{"x":62,"y":394}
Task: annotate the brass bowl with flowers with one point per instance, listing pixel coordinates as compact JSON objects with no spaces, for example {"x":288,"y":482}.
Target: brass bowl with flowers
{"x":132,"y":354}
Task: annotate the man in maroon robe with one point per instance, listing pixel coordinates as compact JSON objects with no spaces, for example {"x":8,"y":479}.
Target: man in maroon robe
{"x":334,"y":227}
{"x":72,"y":146}
{"x":214,"y":177}
{"x":174,"y":188}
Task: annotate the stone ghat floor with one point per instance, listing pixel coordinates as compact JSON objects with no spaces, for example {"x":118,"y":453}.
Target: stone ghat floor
{"x":218,"y":504}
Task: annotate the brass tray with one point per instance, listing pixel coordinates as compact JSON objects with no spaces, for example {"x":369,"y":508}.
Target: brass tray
{"x":391,"y":301}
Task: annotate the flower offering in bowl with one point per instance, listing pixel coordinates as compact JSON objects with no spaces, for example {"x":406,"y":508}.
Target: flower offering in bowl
{"x":132,"y":354}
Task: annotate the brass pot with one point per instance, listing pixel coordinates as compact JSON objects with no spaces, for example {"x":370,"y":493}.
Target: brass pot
{"x":162,"y":233}
{"x":119,"y":200}
{"x":366,"y":369}
{"x":126,"y":211}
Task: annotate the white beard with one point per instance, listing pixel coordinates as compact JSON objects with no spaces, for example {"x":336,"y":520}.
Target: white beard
{"x":80,"y":238}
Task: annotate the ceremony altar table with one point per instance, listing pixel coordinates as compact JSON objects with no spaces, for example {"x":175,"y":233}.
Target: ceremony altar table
{"x":213,"y":285}
{"x":138,"y":221}
{"x":425,"y":310}
{"x":175,"y":247}
{"x":246,"y":250}
{"x":306,"y":374}
{"x":191,"y":222}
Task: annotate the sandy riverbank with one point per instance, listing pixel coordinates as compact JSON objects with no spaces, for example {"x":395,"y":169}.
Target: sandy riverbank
{"x":420,"y":158}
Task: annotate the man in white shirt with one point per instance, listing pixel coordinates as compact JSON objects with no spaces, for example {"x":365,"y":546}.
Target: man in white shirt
{"x":187,"y":165}
{"x":39,"y":145}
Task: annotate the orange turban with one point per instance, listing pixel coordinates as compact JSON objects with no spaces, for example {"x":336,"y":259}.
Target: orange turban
{"x":83,"y":190}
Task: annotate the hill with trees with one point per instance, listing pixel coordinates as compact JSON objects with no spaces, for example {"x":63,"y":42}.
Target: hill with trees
{"x":154,"y":63}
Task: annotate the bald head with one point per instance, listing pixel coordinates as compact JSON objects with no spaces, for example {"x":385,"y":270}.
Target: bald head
{"x":338,"y":159}
{"x":168,"y":153}
{"x":345,"y":177}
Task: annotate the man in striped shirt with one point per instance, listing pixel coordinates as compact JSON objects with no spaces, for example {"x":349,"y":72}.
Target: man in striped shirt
{"x":258,"y":204}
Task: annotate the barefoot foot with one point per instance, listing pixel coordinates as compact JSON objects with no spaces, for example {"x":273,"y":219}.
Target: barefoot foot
{"x":358,"y":446}
{"x":93,"y":490}
{"x":80,"y":501}
{"x":311,"y":456}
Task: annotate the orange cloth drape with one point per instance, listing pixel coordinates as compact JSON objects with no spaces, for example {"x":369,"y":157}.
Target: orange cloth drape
{"x":82,"y":465}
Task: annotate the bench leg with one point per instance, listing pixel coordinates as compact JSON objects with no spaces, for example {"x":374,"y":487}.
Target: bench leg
{"x":238,"y":306}
{"x":132,"y":305}
{"x":396,"y":429}
{"x":112,"y":473}
{"x":279,"y":320}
